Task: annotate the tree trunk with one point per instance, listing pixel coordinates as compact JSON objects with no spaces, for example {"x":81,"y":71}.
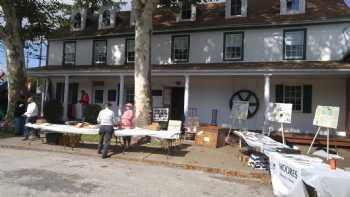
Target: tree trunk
{"x":143,"y":10}
{"x":17,"y":76}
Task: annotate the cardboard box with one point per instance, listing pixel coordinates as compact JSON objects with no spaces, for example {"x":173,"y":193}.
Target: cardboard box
{"x":211,"y":136}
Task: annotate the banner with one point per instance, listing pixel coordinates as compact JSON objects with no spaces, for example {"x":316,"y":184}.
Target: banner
{"x":280,"y":112}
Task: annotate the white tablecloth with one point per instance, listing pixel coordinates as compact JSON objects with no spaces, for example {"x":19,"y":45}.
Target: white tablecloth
{"x":290,"y":172}
{"x":69,"y":129}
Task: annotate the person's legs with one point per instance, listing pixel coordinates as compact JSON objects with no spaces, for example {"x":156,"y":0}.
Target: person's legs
{"x":26,"y":129}
{"x":107,"y":141}
{"x":17,"y":125}
{"x":100,"y":144}
{"x":21,"y":126}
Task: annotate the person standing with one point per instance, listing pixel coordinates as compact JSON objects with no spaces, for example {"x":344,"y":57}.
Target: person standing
{"x":127,"y":123}
{"x":84,"y":99}
{"x":20,"y":109}
{"x":31,"y":115}
{"x":106,"y":119}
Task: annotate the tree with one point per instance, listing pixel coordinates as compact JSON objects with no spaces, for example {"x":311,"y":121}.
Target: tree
{"x":24,"y":20}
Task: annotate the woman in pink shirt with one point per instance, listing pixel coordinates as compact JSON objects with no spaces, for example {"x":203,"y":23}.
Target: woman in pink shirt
{"x":127,"y":123}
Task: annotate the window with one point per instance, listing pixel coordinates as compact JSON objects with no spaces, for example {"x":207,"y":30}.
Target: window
{"x":106,"y":18}
{"x":180,"y":48}
{"x":236,"y":7}
{"x":112,"y":95}
{"x":77,"y":21}
{"x":294,"y":44}
{"x":130,"y":93}
{"x":293,"y":5}
{"x":298,"y":95}
{"x":233,"y":46}
{"x":293,"y":94}
{"x":186,"y":9}
{"x":130,"y":50}
{"x":100,"y":51}
{"x":99,"y":96}
{"x":69,"y":53}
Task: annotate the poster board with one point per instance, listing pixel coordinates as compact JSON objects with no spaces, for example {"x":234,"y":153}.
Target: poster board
{"x":160,"y":114}
{"x":326,"y":116}
{"x":240,"y":110}
{"x":280,"y":112}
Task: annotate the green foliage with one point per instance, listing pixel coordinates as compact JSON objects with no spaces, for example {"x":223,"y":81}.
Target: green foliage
{"x":91,"y":112}
{"x":53,"y":111}
{"x":96,"y":4}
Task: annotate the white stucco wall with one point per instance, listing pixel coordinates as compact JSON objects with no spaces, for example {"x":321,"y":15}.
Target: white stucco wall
{"x":55,"y":51}
{"x":324,"y":43}
{"x":84,"y":52}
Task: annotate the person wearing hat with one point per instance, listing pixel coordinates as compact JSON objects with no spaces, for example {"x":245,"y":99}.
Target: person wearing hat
{"x":106,"y":119}
{"x":127,"y":122}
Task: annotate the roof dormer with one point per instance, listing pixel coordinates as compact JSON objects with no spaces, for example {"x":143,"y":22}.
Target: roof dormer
{"x":107,"y":18}
{"x":289,"y":7}
{"x":78,"y":20}
{"x":236,"y":8}
{"x":188,"y":11}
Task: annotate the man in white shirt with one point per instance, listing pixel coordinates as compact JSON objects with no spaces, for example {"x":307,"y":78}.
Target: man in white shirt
{"x":31,"y":115}
{"x":106,"y":119}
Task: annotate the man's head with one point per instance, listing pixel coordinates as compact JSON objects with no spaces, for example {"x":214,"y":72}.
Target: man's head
{"x":22,"y":98}
{"x":30,"y":99}
{"x":128,"y":106}
{"x":108,"y":105}
{"x":83,"y":92}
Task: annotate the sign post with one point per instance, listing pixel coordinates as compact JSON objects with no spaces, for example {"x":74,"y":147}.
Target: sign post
{"x":325,"y":117}
{"x":281,"y":113}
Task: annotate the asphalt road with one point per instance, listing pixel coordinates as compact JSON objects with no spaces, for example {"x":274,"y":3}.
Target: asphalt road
{"x":31,"y":173}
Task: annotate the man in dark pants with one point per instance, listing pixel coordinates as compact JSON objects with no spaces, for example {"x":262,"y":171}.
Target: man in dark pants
{"x":20,"y":109}
{"x":106,"y":119}
{"x":31,"y":115}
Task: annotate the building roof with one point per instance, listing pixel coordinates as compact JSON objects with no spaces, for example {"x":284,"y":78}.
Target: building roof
{"x":212,"y":16}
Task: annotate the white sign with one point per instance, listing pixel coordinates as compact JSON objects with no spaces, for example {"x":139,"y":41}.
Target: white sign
{"x":326,"y":116}
{"x":160,"y":114}
{"x":280,"y":112}
{"x":240,"y":110}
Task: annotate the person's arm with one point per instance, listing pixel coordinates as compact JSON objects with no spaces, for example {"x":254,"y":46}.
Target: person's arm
{"x":30,"y":109}
{"x":114,"y":120}
{"x":99,"y":118}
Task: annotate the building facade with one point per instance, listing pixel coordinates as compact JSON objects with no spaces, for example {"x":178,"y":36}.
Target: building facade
{"x":204,"y":56}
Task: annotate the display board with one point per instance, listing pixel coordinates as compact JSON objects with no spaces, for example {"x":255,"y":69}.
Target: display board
{"x":280,"y":112}
{"x":240,"y":110}
{"x":326,"y":116}
{"x":160,"y":114}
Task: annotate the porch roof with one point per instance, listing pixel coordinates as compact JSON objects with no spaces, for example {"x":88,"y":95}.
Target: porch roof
{"x":232,"y":68}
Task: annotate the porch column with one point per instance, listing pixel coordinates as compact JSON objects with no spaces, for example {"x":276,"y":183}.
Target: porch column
{"x":266,"y":101}
{"x":186,"y":96}
{"x":347,"y":101}
{"x":121,"y":95}
{"x":43,"y":98}
{"x":65,"y":97}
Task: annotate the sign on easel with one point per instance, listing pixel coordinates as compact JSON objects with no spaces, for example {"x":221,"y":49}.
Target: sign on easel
{"x":160,"y":114}
{"x":240,"y":110}
{"x":281,"y":113}
{"x":325,"y":117}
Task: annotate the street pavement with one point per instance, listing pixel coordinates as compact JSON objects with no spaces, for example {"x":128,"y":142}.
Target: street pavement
{"x":35,"y":174}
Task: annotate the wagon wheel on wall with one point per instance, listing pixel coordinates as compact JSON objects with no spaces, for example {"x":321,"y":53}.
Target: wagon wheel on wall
{"x":246,"y":95}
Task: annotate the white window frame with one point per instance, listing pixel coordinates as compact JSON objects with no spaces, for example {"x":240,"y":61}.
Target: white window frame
{"x":98,"y":56}
{"x":285,"y":87}
{"x":241,"y":43}
{"x":290,"y":44}
{"x":285,"y":11}
{"x":69,"y":58}
{"x":128,"y":49}
{"x":174,"y":49}
{"x":244,"y":8}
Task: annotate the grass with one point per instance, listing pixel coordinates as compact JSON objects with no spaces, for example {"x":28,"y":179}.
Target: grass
{"x":90,"y":138}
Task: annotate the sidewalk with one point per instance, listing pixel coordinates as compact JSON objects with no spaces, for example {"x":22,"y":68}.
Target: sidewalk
{"x":223,"y":160}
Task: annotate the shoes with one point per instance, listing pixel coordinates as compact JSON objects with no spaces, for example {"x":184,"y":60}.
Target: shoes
{"x":99,"y":152}
{"x":104,"y":156}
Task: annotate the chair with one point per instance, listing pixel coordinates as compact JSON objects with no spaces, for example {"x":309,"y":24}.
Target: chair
{"x":192,"y":126}
{"x":173,"y":125}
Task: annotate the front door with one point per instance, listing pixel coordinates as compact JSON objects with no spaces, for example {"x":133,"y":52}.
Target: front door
{"x":177,"y":103}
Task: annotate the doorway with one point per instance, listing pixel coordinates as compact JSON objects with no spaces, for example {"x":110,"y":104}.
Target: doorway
{"x":177,"y":103}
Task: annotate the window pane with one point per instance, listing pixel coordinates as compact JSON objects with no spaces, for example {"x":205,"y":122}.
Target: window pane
{"x":236,"y":7}
{"x":130,"y":51}
{"x":293,"y":95}
{"x":100,"y":52}
{"x":69,"y":53}
{"x":233,"y":46}
{"x":181,"y":48}
{"x":186,"y":10}
{"x":112,"y":95}
{"x":106,"y":18}
{"x":99,"y":96}
{"x":294,"y":44}
{"x":293,"y":5}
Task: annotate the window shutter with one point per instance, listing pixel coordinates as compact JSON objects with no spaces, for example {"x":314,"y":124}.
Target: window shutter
{"x":307,"y":99}
{"x":279,"y":94}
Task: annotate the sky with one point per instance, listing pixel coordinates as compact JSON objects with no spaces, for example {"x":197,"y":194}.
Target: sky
{"x":32,"y":62}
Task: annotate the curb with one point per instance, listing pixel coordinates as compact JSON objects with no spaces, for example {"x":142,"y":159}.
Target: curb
{"x":253,"y":176}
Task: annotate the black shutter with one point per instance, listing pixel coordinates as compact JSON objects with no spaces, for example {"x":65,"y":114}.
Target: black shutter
{"x":279,"y":94}
{"x":307,"y":99}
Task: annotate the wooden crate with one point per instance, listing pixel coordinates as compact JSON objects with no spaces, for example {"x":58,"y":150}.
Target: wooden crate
{"x":69,"y":140}
{"x":211,"y":136}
